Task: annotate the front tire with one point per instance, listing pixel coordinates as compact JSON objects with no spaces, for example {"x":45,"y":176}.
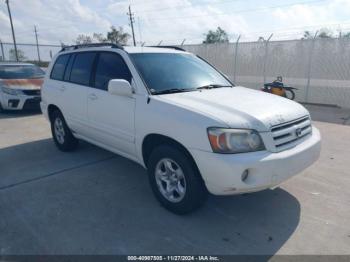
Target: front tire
{"x":62,"y":135}
{"x":175,"y":180}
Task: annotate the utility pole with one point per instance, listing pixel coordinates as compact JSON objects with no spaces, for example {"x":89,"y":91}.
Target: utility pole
{"x":132,"y":21}
{"x":37,"y":42}
{"x":13,"y":31}
{"x":2,"y":51}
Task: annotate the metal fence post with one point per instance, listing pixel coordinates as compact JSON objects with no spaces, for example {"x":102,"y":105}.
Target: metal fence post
{"x":266,"y":56}
{"x":309,"y":68}
{"x":235,"y":64}
{"x":2,"y":51}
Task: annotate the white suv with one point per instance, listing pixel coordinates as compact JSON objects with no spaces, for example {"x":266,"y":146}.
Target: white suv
{"x":179,"y":117}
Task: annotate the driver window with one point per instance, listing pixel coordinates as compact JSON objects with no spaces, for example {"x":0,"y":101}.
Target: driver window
{"x":110,"y":66}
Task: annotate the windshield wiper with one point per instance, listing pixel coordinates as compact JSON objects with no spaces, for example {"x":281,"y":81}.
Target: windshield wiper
{"x":171,"y":91}
{"x":212,"y":86}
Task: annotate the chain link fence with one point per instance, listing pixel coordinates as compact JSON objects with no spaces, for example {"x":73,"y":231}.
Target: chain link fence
{"x":319,"y":68}
{"x":28,"y":52}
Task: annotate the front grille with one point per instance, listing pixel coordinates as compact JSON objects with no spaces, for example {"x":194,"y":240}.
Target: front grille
{"x":32,"y":92}
{"x":291,"y":133}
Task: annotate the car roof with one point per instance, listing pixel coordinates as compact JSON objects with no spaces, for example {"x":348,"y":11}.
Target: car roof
{"x":15,"y":63}
{"x":128,"y":49}
{"x":141,"y":49}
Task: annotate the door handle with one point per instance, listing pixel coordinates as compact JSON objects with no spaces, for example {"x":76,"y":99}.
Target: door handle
{"x":93,"y":97}
{"x":62,"y":88}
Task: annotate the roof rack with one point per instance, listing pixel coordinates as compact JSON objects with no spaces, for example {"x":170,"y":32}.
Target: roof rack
{"x":74,"y":47}
{"x":169,"y":47}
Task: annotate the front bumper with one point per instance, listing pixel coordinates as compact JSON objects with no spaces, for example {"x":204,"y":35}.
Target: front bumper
{"x":222,"y":174}
{"x":20,"y":102}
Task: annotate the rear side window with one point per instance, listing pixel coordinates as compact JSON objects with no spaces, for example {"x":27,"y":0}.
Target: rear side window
{"x":81,"y":69}
{"x":110,"y":66}
{"x":59,"y":67}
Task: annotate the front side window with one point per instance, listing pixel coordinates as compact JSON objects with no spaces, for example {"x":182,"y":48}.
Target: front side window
{"x":21,"y":72}
{"x":59,"y":67}
{"x":110,"y":66}
{"x":176,"y":71}
{"x":82,"y":67}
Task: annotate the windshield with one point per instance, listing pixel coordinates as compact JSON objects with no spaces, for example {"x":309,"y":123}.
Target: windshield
{"x":20,"y":72}
{"x":170,"y":71}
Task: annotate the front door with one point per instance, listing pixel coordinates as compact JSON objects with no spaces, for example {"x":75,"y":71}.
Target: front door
{"x":111,"y":117}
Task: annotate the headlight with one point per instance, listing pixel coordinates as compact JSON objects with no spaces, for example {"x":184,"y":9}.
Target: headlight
{"x":232,"y":141}
{"x":11,"y":91}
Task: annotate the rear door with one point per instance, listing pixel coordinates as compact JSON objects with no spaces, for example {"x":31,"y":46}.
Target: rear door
{"x":56,"y":82}
{"x":77,"y":81}
{"x":111,"y":117}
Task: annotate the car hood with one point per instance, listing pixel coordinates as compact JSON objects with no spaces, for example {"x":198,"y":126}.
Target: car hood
{"x":23,"y":84}
{"x":240,"y":107}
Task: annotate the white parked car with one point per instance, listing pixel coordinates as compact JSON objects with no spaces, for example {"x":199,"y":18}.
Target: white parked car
{"x":180,"y":118}
{"x":20,"y":85}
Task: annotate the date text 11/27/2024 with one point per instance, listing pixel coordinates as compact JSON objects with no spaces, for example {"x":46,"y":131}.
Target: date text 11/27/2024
{"x":173,"y":258}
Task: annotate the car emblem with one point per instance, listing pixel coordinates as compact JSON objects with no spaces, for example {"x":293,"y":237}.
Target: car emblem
{"x":298,"y":132}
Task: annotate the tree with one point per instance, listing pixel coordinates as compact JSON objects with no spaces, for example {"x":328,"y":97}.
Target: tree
{"x":218,"y":36}
{"x":83,"y":39}
{"x":118,"y":36}
{"x":323,"y":33}
{"x":20,"y":53}
{"x":344,"y":35}
{"x":307,"y":35}
{"x":99,"y":38}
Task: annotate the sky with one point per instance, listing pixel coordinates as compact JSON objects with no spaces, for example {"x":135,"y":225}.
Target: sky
{"x":172,"y":21}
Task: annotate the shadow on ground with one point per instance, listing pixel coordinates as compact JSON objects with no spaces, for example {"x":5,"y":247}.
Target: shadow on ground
{"x":334,"y":115}
{"x":16,"y":114}
{"x":94,"y":202}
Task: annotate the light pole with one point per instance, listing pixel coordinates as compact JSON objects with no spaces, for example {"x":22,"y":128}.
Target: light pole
{"x":13,"y":31}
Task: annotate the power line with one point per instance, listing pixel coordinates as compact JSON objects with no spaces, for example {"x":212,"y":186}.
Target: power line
{"x":143,"y":2}
{"x":239,"y":11}
{"x":186,"y":6}
{"x":277,"y":32}
{"x":132,"y":21}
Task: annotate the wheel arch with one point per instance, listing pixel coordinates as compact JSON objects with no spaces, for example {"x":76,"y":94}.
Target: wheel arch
{"x":52,"y":108}
{"x":151,"y":141}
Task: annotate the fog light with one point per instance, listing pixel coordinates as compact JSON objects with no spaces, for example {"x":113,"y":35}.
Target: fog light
{"x":245,"y":175}
{"x":13,"y":103}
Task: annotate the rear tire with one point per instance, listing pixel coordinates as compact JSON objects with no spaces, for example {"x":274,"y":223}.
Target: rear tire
{"x":175,"y":180}
{"x":62,"y":135}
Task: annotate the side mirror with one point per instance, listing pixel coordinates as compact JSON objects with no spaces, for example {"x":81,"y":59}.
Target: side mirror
{"x":120,"y":87}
